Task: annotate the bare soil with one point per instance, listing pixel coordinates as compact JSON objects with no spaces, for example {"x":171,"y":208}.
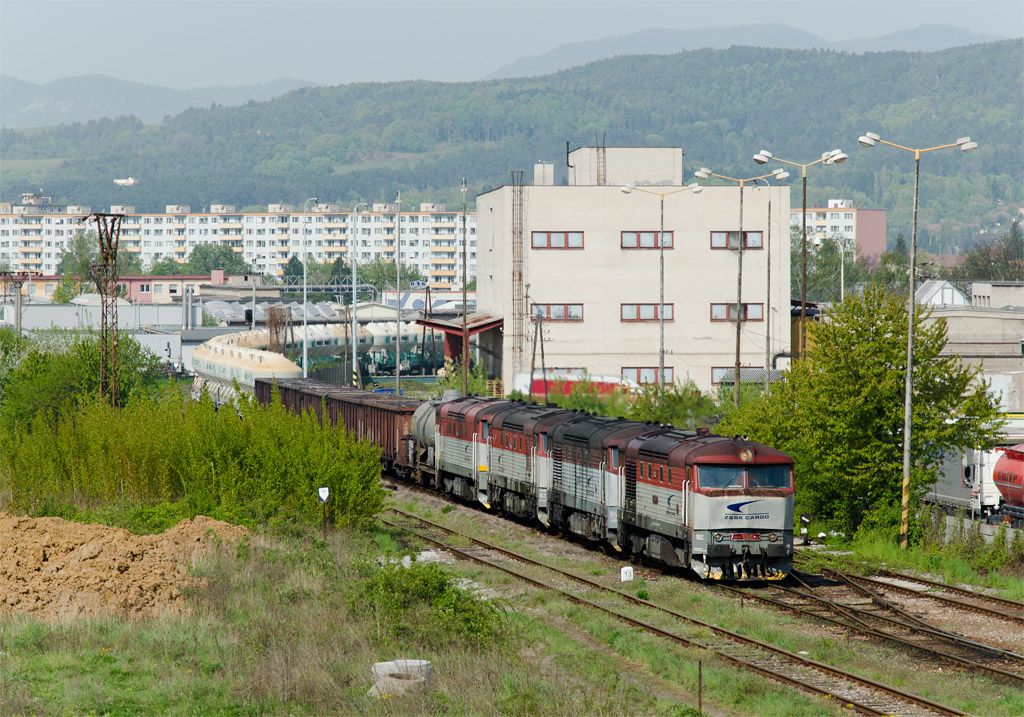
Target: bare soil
{"x":57,"y":570}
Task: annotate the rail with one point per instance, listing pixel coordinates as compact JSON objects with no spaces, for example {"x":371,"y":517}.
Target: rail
{"x":859,"y":693}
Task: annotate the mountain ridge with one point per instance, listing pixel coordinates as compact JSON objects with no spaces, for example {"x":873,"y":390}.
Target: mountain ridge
{"x":662,"y":41}
{"x":86,"y":97}
{"x":364,"y":141}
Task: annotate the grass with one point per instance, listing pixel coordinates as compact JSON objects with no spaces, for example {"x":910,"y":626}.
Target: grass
{"x":277,"y":627}
{"x":789,"y":632}
{"x":283,"y":625}
{"x":871,"y":552}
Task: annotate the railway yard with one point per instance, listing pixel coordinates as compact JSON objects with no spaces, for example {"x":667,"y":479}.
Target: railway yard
{"x":888,"y":644}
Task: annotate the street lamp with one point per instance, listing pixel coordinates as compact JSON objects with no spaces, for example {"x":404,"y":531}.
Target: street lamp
{"x":352,"y":240}
{"x":870,"y":139}
{"x":705,"y":173}
{"x":305,"y":307}
{"x":835,"y":156}
{"x":398,"y":292}
{"x":767,"y":291}
{"x":696,"y":189}
{"x":841,"y":244}
{"x":465,"y":303}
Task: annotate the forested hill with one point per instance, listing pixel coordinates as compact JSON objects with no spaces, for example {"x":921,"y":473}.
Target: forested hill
{"x":365,"y":141}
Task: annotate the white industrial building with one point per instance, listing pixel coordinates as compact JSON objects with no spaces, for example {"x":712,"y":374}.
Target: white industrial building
{"x":584,"y":258}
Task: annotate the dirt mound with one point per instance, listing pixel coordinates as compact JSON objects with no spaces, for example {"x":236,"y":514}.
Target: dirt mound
{"x":55,"y":569}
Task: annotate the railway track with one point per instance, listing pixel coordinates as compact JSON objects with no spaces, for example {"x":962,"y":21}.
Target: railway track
{"x":989,"y":605}
{"x":861,"y":694}
{"x":867,"y":613}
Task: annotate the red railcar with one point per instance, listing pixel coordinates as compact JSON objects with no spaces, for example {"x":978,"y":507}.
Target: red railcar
{"x":1009,"y":477}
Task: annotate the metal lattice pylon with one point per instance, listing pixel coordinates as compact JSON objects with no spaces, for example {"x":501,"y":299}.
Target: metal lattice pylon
{"x":108,"y":227}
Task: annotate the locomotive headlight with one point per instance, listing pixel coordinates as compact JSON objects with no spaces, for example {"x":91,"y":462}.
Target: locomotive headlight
{"x":772,"y":537}
{"x":718,"y":537}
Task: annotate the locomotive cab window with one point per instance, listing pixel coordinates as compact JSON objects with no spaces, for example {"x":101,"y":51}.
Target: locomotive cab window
{"x":720,"y":476}
{"x":768,"y":477}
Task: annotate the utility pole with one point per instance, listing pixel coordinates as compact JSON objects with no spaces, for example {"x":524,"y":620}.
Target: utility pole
{"x":17,"y":280}
{"x":108,"y":227}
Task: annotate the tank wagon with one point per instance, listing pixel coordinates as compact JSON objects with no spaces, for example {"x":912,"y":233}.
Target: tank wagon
{"x":1009,"y":479}
{"x":720,"y":506}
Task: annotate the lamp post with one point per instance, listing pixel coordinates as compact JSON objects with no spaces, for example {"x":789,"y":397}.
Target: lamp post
{"x":696,"y":189}
{"x":252,"y":326}
{"x":870,"y":139}
{"x":835,"y":156}
{"x":465,"y":302}
{"x":841,"y":244}
{"x":305,"y":307}
{"x":705,"y":173}
{"x":352,"y":240}
{"x":768,"y":293}
{"x":398,"y":292}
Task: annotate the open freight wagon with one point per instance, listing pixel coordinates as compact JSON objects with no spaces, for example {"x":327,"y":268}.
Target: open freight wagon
{"x":384,"y":420}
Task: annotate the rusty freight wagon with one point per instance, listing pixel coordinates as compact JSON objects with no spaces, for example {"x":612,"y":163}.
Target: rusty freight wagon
{"x":383,"y":420}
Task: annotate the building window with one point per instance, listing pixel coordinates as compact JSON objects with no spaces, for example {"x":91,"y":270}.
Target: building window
{"x":143,"y":288}
{"x":645,"y":312}
{"x":718,"y":373}
{"x":556,"y":240}
{"x":645,"y":240}
{"x":558,"y":312}
{"x":647,"y":374}
{"x":730,"y":240}
{"x":727,"y":312}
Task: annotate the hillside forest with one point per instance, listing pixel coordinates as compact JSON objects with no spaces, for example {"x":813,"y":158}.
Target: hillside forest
{"x":366,"y":141}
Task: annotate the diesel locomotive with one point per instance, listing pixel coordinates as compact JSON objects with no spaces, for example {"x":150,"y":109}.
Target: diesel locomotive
{"x":722,"y":507}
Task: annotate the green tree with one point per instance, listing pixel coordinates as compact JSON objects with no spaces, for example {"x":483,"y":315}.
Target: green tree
{"x":840,"y":413}
{"x":293,"y":269}
{"x":67,"y":289}
{"x":828,"y":268}
{"x":681,"y":404}
{"x":12,"y":349}
{"x":166,"y":266}
{"x":207,"y":257}
{"x":1001,"y":259}
{"x":381,"y":273}
{"x":891,"y":273}
{"x":60,"y":370}
{"x":128,"y":263}
{"x":78,"y":255}
{"x":82,"y":251}
{"x":339,"y":267}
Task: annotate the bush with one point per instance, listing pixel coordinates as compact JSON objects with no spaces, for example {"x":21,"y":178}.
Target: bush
{"x":164,"y":458}
{"x":396,"y":594}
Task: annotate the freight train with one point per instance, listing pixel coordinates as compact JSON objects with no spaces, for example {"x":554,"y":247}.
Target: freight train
{"x":722,"y":507}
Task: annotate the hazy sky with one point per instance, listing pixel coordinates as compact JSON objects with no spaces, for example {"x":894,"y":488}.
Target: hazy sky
{"x":190,"y":44}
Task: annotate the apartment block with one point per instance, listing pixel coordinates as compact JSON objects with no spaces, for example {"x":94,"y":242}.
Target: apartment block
{"x":860,"y":230}
{"x":34,"y":232}
{"x":575,"y":272}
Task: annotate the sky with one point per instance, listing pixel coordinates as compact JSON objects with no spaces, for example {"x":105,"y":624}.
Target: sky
{"x":186,"y":44}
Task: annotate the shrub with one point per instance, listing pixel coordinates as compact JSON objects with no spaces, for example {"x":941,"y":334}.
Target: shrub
{"x":165,"y":457}
{"x":396,"y":594}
